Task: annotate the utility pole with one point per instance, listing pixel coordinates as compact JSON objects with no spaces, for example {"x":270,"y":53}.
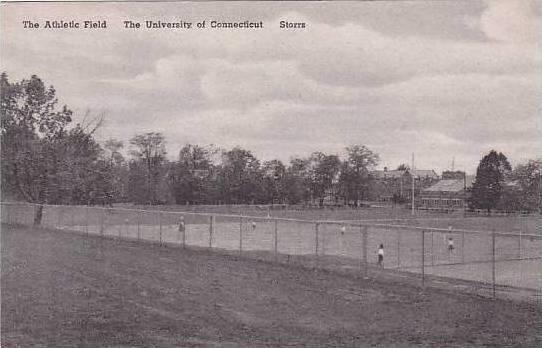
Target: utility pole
{"x":465,"y":193}
{"x":539,"y":190}
{"x":412,"y":178}
{"x":401,"y":186}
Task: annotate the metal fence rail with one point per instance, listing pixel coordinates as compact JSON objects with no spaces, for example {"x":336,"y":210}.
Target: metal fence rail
{"x":490,"y":259}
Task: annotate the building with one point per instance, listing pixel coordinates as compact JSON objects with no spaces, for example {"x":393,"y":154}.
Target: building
{"x":396,"y":185}
{"x":450,"y":193}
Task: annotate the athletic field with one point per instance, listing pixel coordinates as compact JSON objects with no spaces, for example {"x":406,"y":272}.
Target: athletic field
{"x":529,"y":224}
{"x":512,"y":259}
{"x":65,"y":289}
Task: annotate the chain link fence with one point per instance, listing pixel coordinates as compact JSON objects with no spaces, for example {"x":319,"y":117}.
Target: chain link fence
{"x":487,"y":262}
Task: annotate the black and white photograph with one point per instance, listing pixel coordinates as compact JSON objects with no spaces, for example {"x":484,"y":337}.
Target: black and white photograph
{"x":271,"y":173}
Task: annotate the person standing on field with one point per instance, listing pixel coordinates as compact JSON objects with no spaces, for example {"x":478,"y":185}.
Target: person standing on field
{"x":451,"y":246}
{"x":381,"y":255}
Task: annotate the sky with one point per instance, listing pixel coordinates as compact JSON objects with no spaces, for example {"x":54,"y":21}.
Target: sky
{"x":445,"y":80}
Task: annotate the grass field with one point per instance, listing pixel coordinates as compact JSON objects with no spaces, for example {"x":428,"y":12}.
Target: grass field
{"x":471,"y":260}
{"x":63,"y":289}
{"x":508,"y":224}
{"x":398,"y":215}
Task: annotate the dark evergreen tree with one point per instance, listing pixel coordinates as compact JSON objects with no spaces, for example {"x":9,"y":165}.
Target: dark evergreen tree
{"x":489,"y":183}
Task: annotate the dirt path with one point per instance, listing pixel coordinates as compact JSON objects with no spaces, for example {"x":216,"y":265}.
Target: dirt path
{"x":66,"y":290}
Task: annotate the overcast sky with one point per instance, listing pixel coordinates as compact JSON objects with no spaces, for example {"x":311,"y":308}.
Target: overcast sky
{"x":442,"y":79}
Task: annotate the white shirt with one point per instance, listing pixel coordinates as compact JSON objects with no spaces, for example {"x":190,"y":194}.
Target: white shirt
{"x":381,"y":251}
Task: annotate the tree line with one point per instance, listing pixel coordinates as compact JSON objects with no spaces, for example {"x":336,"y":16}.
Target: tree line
{"x":210,"y":175}
{"x":49,"y":159}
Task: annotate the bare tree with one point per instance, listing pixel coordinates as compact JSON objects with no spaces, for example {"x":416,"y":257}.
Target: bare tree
{"x":150,"y":150}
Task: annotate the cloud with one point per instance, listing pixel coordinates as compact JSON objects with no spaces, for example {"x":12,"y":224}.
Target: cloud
{"x":511,"y":21}
{"x":458,"y":81}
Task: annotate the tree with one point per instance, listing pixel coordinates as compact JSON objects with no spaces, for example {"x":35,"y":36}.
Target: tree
{"x":81,"y":172}
{"x":117,"y":168}
{"x":240,"y":177}
{"x":488,"y":185}
{"x":274,"y":173}
{"x":113,"y":147}
{"x":43,"y":160}
{"x":525,"y":189}
{"x":30,"y":128}
{"x":296,"y":181}
{"x":192,"y":175}
{"x":403,"y":167}
{"x":354,"y":178}
{"x":323,"y":173}
{"x":150,"y":154}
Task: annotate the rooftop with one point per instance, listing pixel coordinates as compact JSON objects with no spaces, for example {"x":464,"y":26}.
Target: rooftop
{"x":450,"y":185}
{"x":418,"y":173}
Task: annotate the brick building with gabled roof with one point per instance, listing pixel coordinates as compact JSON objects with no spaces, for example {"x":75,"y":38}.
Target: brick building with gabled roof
{"x":450,"y":193}
{"x":396,"y":184}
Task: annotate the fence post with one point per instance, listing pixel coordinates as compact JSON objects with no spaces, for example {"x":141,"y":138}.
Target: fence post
{"x":276,"y":240}
{"x":72,"y":221}
{"x":463,"y":247}
{"x":493,"y":275}
{"x":138,"y":225}
{"x":211,"y":226}
{"x":86,"y":219}
{"x":16,"y":214}
{"x":58,"y":217}
{"x":240,"y":235}
{"x":365,"y":242}
{"x":160,"y":223}
{"x":316,"y":228}
{"x":184,"y":235}
{"x":21,"y":215}
{"x":120,"y":229}
{"x":361,"y":249}
{"x":34,"y":211}
{"x":102,"y":222}
{"x":398,"y":248}
{"x":520,"y":240}
{"x":432,"y":248}
{"x":423,"y":258}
